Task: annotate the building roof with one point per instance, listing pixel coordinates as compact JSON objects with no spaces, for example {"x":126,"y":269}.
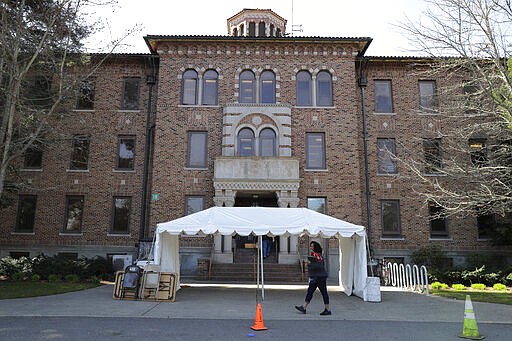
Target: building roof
{"x":153,"y":40}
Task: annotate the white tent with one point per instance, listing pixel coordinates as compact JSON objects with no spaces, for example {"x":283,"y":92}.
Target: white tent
{"x":268,"y":221}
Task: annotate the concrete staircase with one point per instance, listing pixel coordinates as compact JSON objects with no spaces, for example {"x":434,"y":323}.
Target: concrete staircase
{"x":244,"y":269}
{"x":246,"y":273}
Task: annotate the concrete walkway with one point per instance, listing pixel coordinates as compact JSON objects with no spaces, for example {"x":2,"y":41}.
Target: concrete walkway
{"x":225,"y":302}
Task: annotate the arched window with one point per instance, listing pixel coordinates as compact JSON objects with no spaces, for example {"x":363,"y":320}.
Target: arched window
{"x":304,"y":97}
{"x":252,"y":29}
{"x":242,"y":30}
{"x":247,"y":87}
{"x":268,"y":87}
{"x":189,"y":95}
{"x":245,"y":142}
{"x":324,"y":89}
{"x":261,"y":29}
{"x":210,"y":87}
{"x":271,"y":31}
{"x":235,"y":32}
{"x":267,"y":142}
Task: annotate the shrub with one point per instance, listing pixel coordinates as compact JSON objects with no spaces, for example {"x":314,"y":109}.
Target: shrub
{"x":93,"y":279}
{"x":53,"y":277}
{"x":18,"y":276}
{"x":458,"y":286}
{"x":439,"y":285}
{"x":72,"y":278}
{"x":35,"y":278}
{"x":9,"y":266}
{"x":432,"y":256}
{"x":499,"y":287}
{"x":478,"y":286}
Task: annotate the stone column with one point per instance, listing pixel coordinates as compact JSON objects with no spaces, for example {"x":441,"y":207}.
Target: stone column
{"x":227,"y":199}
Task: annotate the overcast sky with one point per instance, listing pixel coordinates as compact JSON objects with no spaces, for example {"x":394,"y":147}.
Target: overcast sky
{"x":325,"y":18}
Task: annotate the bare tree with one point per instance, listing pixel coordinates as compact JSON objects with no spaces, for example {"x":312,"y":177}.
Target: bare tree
{"x":468,"y":44}
{"x":41,"y":43}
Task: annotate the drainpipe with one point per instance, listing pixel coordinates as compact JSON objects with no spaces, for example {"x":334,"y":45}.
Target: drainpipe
{"x":362,"y":81}
{"x":150,"y":81}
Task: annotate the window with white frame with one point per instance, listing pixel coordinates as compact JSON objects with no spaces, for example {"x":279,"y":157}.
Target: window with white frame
{"x":268,"y":87}
{"x":304,"y":89}
{"x":210,"y":88}
{"x":268,"y":142}
{"x":383,"y":96}
{"x":324,"y":89}
{"x":315,"y":151}
{"x":247,"y":87}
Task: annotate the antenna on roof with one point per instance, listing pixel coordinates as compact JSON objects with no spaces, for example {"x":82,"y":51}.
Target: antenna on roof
{"x":295,"y":28}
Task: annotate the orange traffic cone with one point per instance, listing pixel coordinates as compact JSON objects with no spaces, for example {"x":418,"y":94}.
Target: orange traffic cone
{"x":258,"y":320}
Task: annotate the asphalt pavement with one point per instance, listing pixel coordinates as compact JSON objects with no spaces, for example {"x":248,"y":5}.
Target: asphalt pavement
{"x":239,"y":302}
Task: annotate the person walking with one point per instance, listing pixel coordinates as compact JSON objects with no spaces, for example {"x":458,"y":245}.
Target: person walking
{"x":317,"y":279}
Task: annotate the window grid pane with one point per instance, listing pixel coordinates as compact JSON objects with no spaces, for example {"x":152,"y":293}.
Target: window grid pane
{"x":247,"y":87}
{"x":121,"y":215}
{"x":267,"y":142}
{"x":189,"y":96}
{"x":383,"y":97}
{"x":194,"y":204}
{"x":131,"y":91}
{"x":197,"y":149}
{"x":428,"y":98}
{"x":126,"y":153}
{"x":315,"y":151}
{"x":74,"y":213}
{"x":80,"y":154}
{"x":324,"y":89}
{"x":26,"y":213}
{"x":386,"y":154}
{"x":304,"y":89}
{"x":268,"y":87}
{"x":390,"y":210}
{"x":317,"y":204}
{"x":210,"y":88}
{"x":245,"y":142}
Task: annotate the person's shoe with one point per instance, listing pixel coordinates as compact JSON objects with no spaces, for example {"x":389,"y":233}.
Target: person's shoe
{"x":325,"y":312}
{"x":300,"y":308}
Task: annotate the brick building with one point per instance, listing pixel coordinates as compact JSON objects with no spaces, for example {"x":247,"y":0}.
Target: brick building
{"x":256,"y":117}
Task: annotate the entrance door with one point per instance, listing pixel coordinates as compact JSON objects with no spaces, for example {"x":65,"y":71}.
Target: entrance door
{"x":245,"y":245}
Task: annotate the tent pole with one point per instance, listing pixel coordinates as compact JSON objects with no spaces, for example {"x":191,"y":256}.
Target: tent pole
{"x":262,"y":279}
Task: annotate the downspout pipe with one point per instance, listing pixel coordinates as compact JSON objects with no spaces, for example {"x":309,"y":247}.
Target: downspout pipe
{"x":150,"y":81}
{"x":362,"y":82}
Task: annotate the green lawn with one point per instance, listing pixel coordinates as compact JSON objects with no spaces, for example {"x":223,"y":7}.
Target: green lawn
{"x":489,"y":296}
{"x":18,"y":289}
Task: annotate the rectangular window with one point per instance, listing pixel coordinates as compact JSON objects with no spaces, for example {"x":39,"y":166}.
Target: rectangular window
{"x":317,"y":204}
{"x":478,"y":152}
{"x":486,"y":226}
{"x":26,"y":213}
{"x":428,"y":97}
{"x":40,"y":94}
{"x":438,"y":225}
{"x":194,"y":204}
{"x":33,"y":158}
{"x":315,"y":151}
{"x":197,"y":150}
{"x":383,"y":96}
{"x":131,"y":91}
{"x":432,"y":152}
{"x":80,"y":154}
{"x":386,"y":156}
{"x":126,"y":153}
{"x":74,"y":213}
{"x":471,"y":98}
{"x":121,"y":215}
{"x":85,"y":100}
{"x":390,"y":211}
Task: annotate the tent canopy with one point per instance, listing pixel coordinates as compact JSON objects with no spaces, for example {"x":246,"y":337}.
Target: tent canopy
{"x":260,"y":221}
{"x":268,"y":221}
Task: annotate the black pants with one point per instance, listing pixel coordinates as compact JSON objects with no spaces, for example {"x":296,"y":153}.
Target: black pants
{"x":321,"y":284}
